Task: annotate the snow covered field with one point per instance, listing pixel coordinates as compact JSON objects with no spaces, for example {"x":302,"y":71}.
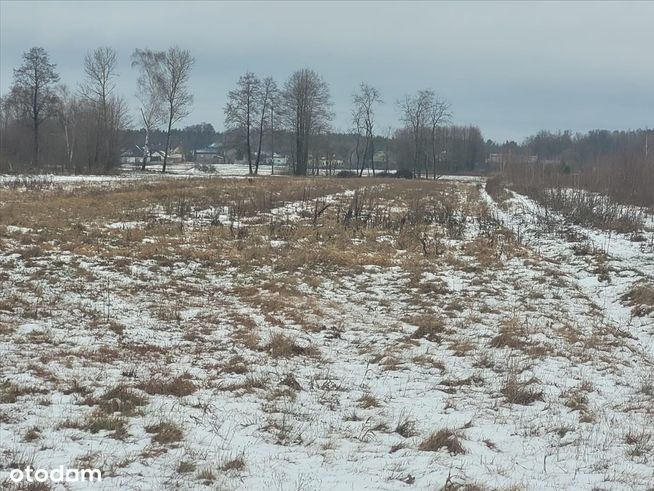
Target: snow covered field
{"x":300,"y":334}
{"x":133,"y":173}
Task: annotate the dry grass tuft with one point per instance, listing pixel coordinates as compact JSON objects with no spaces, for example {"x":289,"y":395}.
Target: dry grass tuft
{"x":165,"y":432}
{"x":33,"y":433}
{"x":445,"y":438}
{"x":10,"y":392}
{"x":641,"y":298}
{"x":367,"y":401}
{"x":640,"y":444}
{"x":512,"y":334}
{"x":184,"y":467}
{"x":99,"y":421}
{"x":235,"y":464}
{"x":519,"y":392}
{"x":406,"y":427}
{"x":121,"y":399}
{"x":179,"y":386}
{"x":283,"y":346}
{"x":430,"y":328}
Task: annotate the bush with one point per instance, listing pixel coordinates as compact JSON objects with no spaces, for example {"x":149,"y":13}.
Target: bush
{"x":404,"y":174}
{"x":346,"y":173}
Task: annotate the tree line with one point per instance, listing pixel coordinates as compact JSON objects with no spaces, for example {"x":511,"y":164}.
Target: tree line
{"x":47,"y":124}
{"x":619,"y":164}
{"x":80,"y":128}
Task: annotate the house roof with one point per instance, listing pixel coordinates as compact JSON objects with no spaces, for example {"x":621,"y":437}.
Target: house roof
{"x":208,"y":150}
{"x":134,"y":151}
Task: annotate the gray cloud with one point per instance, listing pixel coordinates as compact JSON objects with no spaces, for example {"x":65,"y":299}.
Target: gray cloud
{"x":512,"y":68}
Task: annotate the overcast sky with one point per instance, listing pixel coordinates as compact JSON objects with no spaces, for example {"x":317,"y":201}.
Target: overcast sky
{"x":511,"y":68}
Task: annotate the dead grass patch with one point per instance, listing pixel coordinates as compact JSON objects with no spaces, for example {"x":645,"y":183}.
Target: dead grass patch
{"x":121,"y":399}
{"x":462,"y":347}
{"x":430,"y":328}
{"x":179,"y":386}
{"x":641,"y":298}
{"x":639,"y":442}
{"x":99,"y":421}
{"x":234,"y":464}
{"x":512,"y":334}
{"x":283,"y":346}
{"x":406,"y":427}
{"x":445,"y":438}
{"x":517,"y":391}
{"x":10,"y":392}
{"x":366,"y":401}
{"x":165,"y":432}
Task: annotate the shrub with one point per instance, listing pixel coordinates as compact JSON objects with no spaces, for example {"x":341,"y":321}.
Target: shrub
{"x":404,"y":174}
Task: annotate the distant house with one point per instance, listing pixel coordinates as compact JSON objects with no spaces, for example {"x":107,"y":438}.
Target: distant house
{"x":176,"y":156}
{"x":210,"y":154}
{"x":331,"y":163}
{"x":133,"y":155}
{"x":278,"y":159}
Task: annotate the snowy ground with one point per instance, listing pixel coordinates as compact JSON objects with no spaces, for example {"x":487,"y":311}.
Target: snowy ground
{"x":128,"y":172}
{"x":322,"y":334}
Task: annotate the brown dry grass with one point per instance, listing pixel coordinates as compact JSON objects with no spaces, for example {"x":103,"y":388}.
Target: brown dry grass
{"x":283,"y":346}
{"x":641,"y":298}
{"x":521,"y":392}
{"x":512,"y":334}
{"x":165,"y":432}
{"x":445,"y":438}
{"x":430,"y":328}
{"x":179,"y":386}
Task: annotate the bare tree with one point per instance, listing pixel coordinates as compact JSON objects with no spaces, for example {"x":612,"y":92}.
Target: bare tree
{"x":242,"y":110}
{"x":67,"y":110}
{"x":365,"y":101}
{"x":118,"y":119}
{"x":267,"y":95}
{"x":387,"y":146}
{"x":175,"y":74}
{"x":357,"y":121}
{"x":306,"y":111}
{"x":415,"y":115}
{"x":33,"y":91}
{"x":151,"y":103}
{"x":274,"y":121}
{"x":170,"y":71}
{"x":100,"y":71}
{"x":437,"y":115}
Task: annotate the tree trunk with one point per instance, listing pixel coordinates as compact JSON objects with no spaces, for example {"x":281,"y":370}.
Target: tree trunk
{"x":249,"y":152}
{"x":299,"y":154}
{"x":36,"y":143}
{"x":372,"y":155}
{"x":68,"y":151}
{"x":170,"y":124}
{"x":256,"y":164}
{"x":363,"y":161}
{"x":146,"y":149}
